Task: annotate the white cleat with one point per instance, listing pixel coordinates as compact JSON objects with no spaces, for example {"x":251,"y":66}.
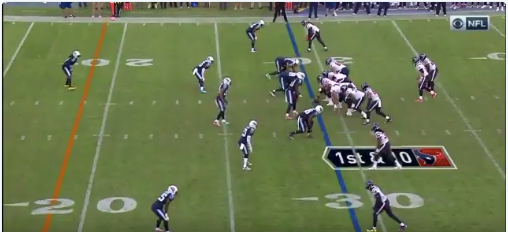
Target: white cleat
{"x":330,"y":104}
{"x":225,"y":122}
{"x":373,"y":168}
{"x":398,"y":167}
{"x":246,"y":168}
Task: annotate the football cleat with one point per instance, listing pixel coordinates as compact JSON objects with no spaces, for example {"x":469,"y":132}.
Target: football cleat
{"x":216,"y":123}
{"x":246,"y":168}
{"x":419,"y":100}
{"x":372,"y":230}
{"x":71,"y":88}
{"x":225,"y":122}
{"x":434,"y":94}
{"x":402,"y":227}
{"x":272,"y":93}
{"x":288,"y":117}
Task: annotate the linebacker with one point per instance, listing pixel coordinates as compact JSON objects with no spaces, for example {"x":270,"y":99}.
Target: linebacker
{"x":161,"y":205}
{"x":374,"y":103}
{"x":245,"y":143}
{"x":313,"y":33}
{"x":382,"y":204}
{"x":305,"y":121}
{"x":291,"y":93}
{"x":251,"y":33}
{"x":383,"y":148}
{"x":67,"y":68}
{"x":221,"y":102}
{"x":199,"y":72}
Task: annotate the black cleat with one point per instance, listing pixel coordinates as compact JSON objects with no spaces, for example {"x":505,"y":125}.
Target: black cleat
{"x":291,"y":136}
{"x":366,"y":123}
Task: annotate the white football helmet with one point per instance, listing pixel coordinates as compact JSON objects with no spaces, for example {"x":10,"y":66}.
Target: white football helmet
{"x":227,"y":80}
{"x":210,"y":58}
{"x":300,"y":75}
{"x":76,"y":54}
{"x":253,"y":124}
{"x":173,"y":189}
{"x":261,"y":22}
{"x":319,"y":109}
{"x":297,"y":61}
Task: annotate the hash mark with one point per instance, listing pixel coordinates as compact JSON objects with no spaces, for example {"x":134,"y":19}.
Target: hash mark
{"x":428,"y":20}
{"x":96,"y":135}
{"x":267,"y":101}
{"x":448,"y":132}
{"x":456,"y":99}
{"x":197,"y":24}
{"x":162,"y":24}
{"x":423,"y":132}
{"x":176,"y":136}
{"x":472,"y":98}
{"x":126,"y":136}
{"x":22,"y":138}
{"x":402,"y":99}
{"x":274,"y":134}
{"x":84,"y":103}
{"x":410,"y":21}
{"x":244,"y":101}
{"x":153,"y":103}
{"x":496,"y":97}
{"x":150,"y":136}
{"x":49,"y":137}
{"x":499,"y":131}
{"x":375,"y":22}
{"x":51,"y":24}
{"x":12,"y":103}
{"x":179,"y":24}
{"x":199,"y":102}
{"x":13,"y":22}
{"x":60,"y":103}
{"x":131,"y":102}
{"x":200,"y":136}
{"x":36,"y":103}
{"x":224,"y":134}
{"x":177,"y":102}
{"x":144,"y":24}
{"x":75,"y":137}
{"x":472,"y":131}
{"x":397,"y":133}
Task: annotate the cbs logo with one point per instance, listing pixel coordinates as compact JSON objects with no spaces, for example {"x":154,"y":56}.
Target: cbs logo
{"x":458,"y":23}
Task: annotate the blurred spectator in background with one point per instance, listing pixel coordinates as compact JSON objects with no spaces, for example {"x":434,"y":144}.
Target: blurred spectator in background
{"x":359,"y":4}
{"x":238,"y":5}
{"x":439,"y":6}
{"x":330,"y":6}
{"x":313,"y":8}
{"x":383,"y":6}
{"x":82,"y":4}
{"x":280,"y":9}
{"x":260,"y":5}
{"x":187,"y":3}
{"x":222,"y":5}
{"x":97,"y":6}
{"x":66,"y":9}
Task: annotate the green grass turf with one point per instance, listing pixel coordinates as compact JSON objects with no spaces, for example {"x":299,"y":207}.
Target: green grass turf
{"x":158,"y":127}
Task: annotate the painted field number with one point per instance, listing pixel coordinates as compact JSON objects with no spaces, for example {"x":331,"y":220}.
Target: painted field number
{"x":63,"y":205}
{"x":128,"y":62}
{"x":497,"y":56}
{"x":352,"y":201}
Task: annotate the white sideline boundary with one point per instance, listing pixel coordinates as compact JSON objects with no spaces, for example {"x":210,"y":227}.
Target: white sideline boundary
{"x":212,"y":20}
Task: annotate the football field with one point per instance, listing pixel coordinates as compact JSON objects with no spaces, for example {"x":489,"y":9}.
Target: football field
{"x":96,"y":158}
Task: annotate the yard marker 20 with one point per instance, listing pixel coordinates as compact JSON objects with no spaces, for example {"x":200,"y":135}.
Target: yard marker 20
{"x":457,"y":109}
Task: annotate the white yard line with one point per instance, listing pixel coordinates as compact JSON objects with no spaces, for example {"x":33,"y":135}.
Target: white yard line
{"x":226,"y":143}
{"x":101,"y":133}
{"x":497,"y":29}
{"x":351,"y":144}
{"x":18,"y":49}
{"x":458,"y":110}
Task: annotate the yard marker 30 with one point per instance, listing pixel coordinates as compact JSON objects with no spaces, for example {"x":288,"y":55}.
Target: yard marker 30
{"x":458,"y":110}
{"x":101,"y":132}
{"x":79,"y":114}
{"x":226,"y":143}
{"x":18,"y":49}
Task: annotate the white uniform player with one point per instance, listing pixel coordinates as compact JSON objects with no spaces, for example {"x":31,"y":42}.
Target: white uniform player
{"x":357,"y":97}
{"x":373,"y":103}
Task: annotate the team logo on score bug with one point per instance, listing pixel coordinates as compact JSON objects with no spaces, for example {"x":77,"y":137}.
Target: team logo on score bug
{"x":410,"y":157}
{"x":469,"y":23}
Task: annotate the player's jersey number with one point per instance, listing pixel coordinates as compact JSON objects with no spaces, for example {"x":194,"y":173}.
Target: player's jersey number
{"x":342,"y":59}
{"x":128,"y":62}
{"x":63,"y":205}
{"x":352,"y":201}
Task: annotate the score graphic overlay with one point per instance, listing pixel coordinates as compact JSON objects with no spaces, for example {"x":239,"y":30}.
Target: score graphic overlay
{"x":410,"y":157}
{"x":469,"y":23}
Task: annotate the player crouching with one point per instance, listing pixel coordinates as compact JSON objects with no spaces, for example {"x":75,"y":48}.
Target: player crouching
{"x":221,"y":102}
{"x":251,"y":33}
{"x":67,"y":68}
{"x":383,"y":148}
{"x":374,"y":103}
{"x":245,"y":143}
{"x":312,"y":34}
{"x":282,"y":64}
{"x":305,"y":121}
{"x":382,"y":203}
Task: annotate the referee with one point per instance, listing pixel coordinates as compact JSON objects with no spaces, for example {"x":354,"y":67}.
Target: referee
{"x":280,"y":9}
{"x":117,"y":10}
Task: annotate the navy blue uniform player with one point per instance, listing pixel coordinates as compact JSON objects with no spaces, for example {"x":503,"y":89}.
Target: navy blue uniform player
{"x":291,"y":93}
{"x":221,"y":101}
{"x":245,"y":143}
{"x":282,"y":64}
{"x":285,"y":78}
{"x":305,"y":121}
{"x":160,"y":207}
{"x":67,"y":68}
{"x":199,"y":72}
{"x":382,"y":204}
{"x":251,"y":33}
